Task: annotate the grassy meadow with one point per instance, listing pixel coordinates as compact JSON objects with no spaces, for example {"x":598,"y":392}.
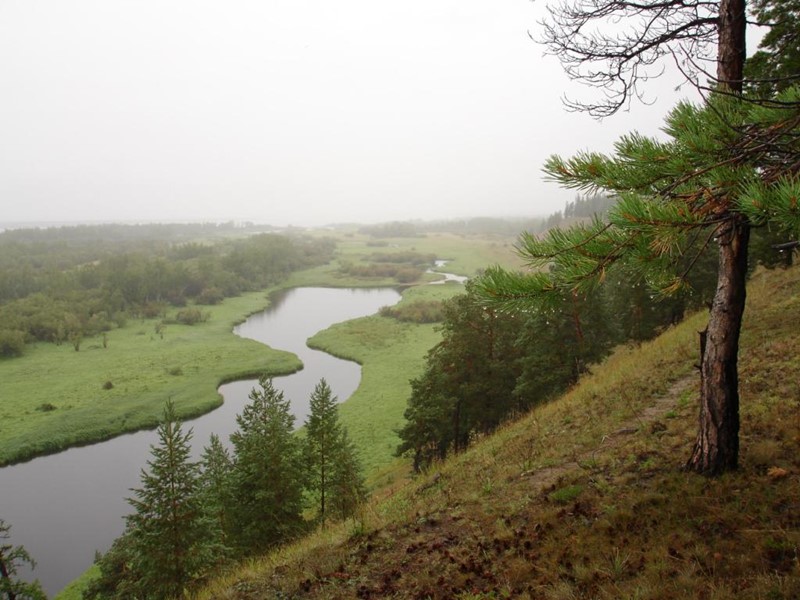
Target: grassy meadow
{"x":54,"y":397}
{"x":585,"y":497}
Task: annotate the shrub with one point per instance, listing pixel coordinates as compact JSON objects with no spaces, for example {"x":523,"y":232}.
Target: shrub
{"x":108,"y":385}
{"x":152,"y":310}
{"x":190,"y":316}
{"x":12,"y":342}
{"x":212,"y":295}
{"x":408,"y":274}
{"x":421,"y":311}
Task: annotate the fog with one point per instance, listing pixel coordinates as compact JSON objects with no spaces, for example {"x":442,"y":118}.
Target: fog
{"x":298,"y":112}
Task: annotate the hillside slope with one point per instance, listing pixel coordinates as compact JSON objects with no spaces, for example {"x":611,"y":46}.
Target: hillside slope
{"x":585,"y":497}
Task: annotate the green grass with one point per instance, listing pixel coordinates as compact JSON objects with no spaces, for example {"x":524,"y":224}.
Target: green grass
{"x":144,"y":369}
{"x":74,"y":591}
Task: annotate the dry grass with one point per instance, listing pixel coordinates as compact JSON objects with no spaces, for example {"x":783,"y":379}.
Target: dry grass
{"x":585,"y":497}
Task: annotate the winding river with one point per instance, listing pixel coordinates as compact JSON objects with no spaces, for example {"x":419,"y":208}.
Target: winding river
{"x":66,"y":506}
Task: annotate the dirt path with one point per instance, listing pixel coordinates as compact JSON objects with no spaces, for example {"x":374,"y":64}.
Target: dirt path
{"x":648,"y":417}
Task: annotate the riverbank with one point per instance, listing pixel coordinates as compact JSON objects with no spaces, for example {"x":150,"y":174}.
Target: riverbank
{"x":55,"y":397}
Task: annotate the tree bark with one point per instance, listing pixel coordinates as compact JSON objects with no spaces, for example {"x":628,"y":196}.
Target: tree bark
{"x":716,"y":448}
{"x":731,"y":44}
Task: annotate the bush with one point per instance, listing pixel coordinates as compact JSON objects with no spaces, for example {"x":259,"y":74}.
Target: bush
{"x":408,"y":274}
{"x":212,"y":295}
{"x":421,"y":311}
{"x":190,"y":316}
{"x":152,"y":310}
{"x":108,"y":385}
{"x":12,"y":342}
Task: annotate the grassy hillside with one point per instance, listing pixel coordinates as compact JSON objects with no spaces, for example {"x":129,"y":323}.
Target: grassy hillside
{"x":585,"y":497}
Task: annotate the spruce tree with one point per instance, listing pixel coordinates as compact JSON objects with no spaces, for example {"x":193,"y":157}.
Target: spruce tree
{"x":216,"y":495}
{"x":335,"y":474}
{"x":268,"y":476}
{"x":347,"y":489}
{"x":168,"y":530}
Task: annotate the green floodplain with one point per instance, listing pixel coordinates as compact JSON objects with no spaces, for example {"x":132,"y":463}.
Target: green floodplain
{"x":55,"y":397}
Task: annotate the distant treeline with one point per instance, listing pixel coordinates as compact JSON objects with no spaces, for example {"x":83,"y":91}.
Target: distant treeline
{"x":581,"y":207}
{"x":472,"y":226}
{"x":68,"y":283}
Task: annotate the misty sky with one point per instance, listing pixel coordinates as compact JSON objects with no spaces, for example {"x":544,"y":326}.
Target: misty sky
{"x":285,"y":111}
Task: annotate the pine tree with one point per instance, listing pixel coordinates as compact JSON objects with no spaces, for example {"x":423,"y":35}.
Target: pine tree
{"x":268,"y":476}
{"x":731,"y":165}
{"x":168,"y":530}
{"x":727,"y":167}
{"x":11,"y":557}
{"x":335,"y":474}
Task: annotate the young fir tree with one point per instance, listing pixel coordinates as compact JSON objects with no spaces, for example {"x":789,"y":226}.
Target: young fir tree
{"x":216,"y":495}
{"x":335,"y":475}
{"x":168,"y":532}
{"x":347,"y":490}
{"x":267,"y":479}
{"x":11,"y":557}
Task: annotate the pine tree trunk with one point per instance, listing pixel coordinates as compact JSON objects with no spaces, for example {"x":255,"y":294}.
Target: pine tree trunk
{"x":717,"y":446}
{"x":731,"y":45}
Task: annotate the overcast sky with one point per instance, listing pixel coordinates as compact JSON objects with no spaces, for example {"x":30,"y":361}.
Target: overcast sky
{"x":285,"y":111}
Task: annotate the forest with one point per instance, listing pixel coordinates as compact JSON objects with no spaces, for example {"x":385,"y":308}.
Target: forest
{"x":62,"y":286}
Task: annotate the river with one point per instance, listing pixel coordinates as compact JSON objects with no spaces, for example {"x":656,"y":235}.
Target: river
{"x":66,"y":506}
